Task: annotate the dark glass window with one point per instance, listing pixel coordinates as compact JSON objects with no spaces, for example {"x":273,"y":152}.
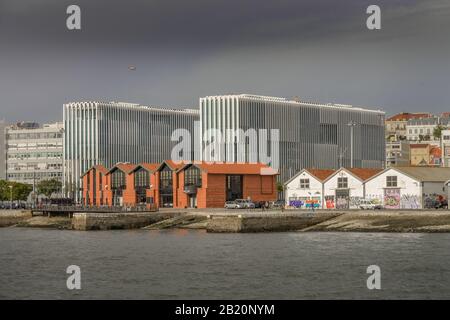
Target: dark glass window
{"x":165,"y":178}
{"x":192,"y":176}
{"x":141,"y":178}
{"x":100,"y":181}
{"x":118,"y":180}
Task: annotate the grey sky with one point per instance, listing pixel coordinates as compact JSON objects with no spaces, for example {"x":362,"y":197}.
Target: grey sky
{"x":319,"y":50}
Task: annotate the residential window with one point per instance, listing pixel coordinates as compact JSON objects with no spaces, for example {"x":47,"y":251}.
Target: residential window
{"x":304,"y":183}
{"x":342,"y":182}
{"x":391,"y":181}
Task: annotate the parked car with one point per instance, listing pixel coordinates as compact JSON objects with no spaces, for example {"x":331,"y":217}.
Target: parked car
{"x":260,"y":204}
{"x":276,"y":204}
{"x":231,"y":205}
{"x":366,"y":204}
{"x":245,"y":204}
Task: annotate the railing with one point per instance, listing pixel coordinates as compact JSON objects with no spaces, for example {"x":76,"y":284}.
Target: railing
{"x":80,"y":208}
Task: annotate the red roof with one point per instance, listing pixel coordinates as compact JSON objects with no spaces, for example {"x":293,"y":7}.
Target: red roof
{"x":405,"y":116}
{"x":364,"y":173}
{"x":174,"y":165}
{"x":125,"y":167}
{"x":97,"y":167}
{"x":321,"y":174}
{"x":235,"y":168}
{"x":152,"y":167}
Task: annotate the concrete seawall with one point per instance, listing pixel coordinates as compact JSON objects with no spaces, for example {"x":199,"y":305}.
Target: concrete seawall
{"x":387,"y":221}
{"x":266,"y":222}
{"x":111,"y":221}
{"x":12,"y":217}
{"x":358,"y":221}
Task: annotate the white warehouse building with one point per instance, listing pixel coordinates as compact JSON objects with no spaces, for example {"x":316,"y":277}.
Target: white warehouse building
{"x":306,"y":188}
{"x":345,"y":187}
{"x":408,"y":187}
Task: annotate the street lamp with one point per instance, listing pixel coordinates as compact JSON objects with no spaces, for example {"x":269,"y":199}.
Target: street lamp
{"x":10,"y":195}
{"x":351,"y":124}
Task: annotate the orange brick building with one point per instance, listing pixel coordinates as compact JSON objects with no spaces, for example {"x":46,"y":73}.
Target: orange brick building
{"x":210,"y":185}
{"x":179,"y":185}
{"x":119,"y":187}
{"x":94,"y":181}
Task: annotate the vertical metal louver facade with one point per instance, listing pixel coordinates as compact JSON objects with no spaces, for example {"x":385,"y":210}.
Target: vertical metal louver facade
{"x":310,"y":135}
{"x":110,"y":132}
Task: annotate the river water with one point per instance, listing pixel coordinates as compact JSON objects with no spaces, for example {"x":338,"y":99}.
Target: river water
{"x":182,"y":264}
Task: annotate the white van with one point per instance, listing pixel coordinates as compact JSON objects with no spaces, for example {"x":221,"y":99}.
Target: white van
{"x":365,"y":204}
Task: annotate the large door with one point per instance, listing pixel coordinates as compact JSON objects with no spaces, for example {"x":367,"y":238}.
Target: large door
{"x":234,"y":187}
{"x":342,"y":199}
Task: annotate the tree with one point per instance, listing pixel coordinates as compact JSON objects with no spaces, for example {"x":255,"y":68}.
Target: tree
{"x":48,"y":187}
{"x":280,"y":187}
{"x":20,"y":191}
{"x":437,"y":132}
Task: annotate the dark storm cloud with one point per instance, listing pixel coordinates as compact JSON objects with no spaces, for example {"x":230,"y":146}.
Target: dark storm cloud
{"x":182,"y":23}
{"x":317,"y":49}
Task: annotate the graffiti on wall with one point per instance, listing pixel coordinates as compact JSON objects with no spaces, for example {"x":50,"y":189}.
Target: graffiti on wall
{"x":392,"y":198}
{"x":342,"y":203}
{"x":342,"y":198}
{"x":434,"y":200}
{"x":304,"y":202}
{"x":410,"y":201}
{"x":329,"y":202}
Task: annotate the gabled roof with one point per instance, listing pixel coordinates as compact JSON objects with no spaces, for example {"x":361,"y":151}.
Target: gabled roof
{"x":319,"y":174}
{"x":361,"y":174}
{"x":173,"y":165}
{"x":97,"y":167}
{"x":423,"y":174}
{"x":364,"y":173}
{"x":233,"y":168}
{"x":125,"y":167}
{"x":151,"y":167}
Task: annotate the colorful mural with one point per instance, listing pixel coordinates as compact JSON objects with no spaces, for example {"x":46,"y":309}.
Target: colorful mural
{"x":304,"y":203}
{"x":392,"y":198}
{"x":329,"y":202}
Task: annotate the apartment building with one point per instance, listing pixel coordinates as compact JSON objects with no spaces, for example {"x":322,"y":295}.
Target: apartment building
{"x":34,"y":152}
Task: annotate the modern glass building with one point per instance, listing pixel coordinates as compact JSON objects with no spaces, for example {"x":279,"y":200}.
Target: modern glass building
{"x":311,"y":135}
{"x":107,"y":133}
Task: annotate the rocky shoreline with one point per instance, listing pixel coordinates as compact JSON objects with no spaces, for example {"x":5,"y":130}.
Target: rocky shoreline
{"x":233,"y":221}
